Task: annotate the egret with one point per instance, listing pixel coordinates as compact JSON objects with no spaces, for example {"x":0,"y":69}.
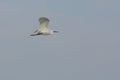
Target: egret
{"x":43,"y":29}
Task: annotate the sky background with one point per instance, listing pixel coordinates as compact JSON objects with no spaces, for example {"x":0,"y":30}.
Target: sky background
{"x":87,"y":46}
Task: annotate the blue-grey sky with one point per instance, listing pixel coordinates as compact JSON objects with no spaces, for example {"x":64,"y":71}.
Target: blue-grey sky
{"x":87,"y":46}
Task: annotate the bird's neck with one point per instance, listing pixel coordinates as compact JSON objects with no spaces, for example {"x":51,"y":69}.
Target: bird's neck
{"x":44,"y":24}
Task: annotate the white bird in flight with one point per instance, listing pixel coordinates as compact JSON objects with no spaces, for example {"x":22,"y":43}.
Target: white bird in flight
{"x":43,"y":29}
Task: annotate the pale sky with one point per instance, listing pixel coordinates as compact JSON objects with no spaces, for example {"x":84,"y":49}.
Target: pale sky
{"x":87,"y":46}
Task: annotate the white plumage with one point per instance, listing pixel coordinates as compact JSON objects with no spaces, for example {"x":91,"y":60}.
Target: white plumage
{"x":43,"y":29}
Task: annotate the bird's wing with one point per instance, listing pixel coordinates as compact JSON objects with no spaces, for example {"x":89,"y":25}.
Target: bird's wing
{"x":43,"y":23}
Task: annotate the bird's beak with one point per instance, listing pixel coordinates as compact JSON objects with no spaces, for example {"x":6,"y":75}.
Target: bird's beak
{"x":55,"y":31}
